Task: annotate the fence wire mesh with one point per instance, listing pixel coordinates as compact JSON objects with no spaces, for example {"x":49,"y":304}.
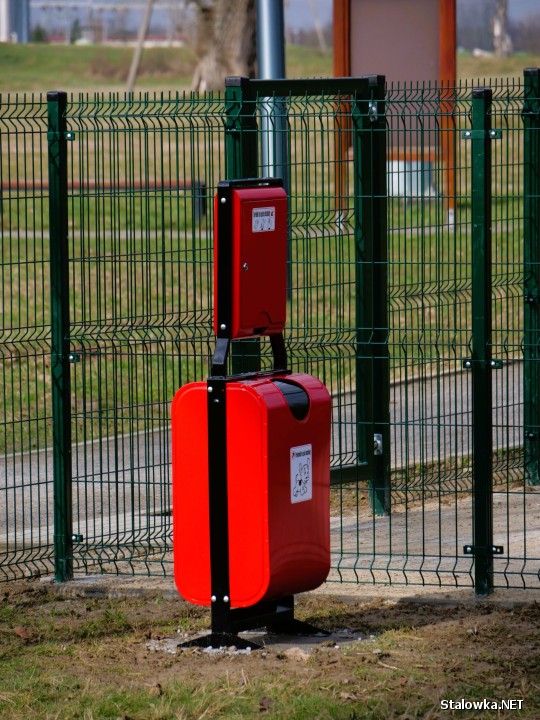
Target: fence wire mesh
{"x":381,"y":273}
{"x":142,"y":177}
{"x":25,"y":411}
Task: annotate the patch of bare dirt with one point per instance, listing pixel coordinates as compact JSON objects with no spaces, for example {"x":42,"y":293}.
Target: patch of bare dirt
{"x":407,"y":650}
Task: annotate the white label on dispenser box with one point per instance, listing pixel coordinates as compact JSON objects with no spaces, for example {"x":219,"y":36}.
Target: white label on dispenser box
{"x":263,"y":219}
{"x":301,"y":473}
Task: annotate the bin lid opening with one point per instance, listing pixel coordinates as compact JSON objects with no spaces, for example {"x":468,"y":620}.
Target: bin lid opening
{"x":296,"y":397}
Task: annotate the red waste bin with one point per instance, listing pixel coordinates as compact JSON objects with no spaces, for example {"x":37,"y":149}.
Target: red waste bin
{"x":278,"y":470}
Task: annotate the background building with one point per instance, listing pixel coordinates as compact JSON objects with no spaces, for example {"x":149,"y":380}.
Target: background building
{"x":14,"y":20}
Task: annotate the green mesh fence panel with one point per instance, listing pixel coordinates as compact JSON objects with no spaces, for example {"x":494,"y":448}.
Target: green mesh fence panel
{"x":380,"y":306}
{"x":25,"y":410}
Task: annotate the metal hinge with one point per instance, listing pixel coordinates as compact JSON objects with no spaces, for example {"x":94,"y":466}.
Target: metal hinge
{"x":373,"y":112}
{"x":481,"y":134}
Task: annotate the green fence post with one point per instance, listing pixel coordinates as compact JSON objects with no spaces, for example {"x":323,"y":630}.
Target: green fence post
{"x":371,"y":268}
{"x":531,"y":275}
{"x":60,"y":361}
{"x":363,"y":277}
{"x":481,"y":362}
{"x":241,"y":162}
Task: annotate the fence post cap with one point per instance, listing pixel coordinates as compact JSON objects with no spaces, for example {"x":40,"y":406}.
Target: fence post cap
{"x":236,"y":81}
{"x":56,"y":95}
{"x":482,"y":92}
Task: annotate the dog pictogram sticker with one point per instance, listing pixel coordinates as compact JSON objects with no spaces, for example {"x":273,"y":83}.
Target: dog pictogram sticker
{"x":301,"y":473}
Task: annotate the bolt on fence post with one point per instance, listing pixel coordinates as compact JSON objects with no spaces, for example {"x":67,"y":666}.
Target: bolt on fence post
{"x":241,"y":161}
{"x":482,"y":420}
{"x":371,"y":269}
{"x":531,"y":274}
{"x":60,"y":318}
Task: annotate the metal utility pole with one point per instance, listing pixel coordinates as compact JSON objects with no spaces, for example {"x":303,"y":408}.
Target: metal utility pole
{"x":271,"y":64}
{"x":270,"y":39}
{"x":143,"y":30}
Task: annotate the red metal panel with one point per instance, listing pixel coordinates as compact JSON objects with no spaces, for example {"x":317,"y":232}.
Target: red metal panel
{"x":299,"y":530}
{"x":191,"y":524}
{"x":278,"y":481}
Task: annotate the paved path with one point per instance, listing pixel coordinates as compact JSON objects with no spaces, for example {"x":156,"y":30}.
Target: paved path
{"x":431,"y":417}
{"x":123,"y":486}
{"x":424,"y":544}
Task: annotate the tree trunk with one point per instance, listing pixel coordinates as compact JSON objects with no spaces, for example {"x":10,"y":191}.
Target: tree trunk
{"x":502,"y":43}
{"x":225,"y":42}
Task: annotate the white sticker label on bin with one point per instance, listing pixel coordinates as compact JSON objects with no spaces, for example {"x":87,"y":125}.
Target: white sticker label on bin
{"x":263,"y":219}
{"x":301,"y":473}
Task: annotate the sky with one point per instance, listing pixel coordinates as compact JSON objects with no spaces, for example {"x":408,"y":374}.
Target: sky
{"x":298,"y":13}
{"x":521,"y":8}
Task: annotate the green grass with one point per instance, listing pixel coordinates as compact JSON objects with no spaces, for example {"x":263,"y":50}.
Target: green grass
{"x":76,"y":658}
{"x":39,"y":68}
{"x":470,"y":67}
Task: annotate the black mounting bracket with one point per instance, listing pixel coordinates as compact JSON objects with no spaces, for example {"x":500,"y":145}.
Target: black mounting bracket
{"x":491,"y":364}
{"x":276,"y":616}
{"x":475,"y":550}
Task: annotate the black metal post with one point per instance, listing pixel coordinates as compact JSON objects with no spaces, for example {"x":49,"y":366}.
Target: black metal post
{"x":218,"y":505}
{"x":241,"y":162}
{"x":60,"y":319}
{"x":371,"y":262}
{"x":531,"y":275}
{"x":481,"y":361}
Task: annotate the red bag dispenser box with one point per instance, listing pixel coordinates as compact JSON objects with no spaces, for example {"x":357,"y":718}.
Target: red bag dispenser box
{"x":253,"y":260}
{"x":278,"y":484}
